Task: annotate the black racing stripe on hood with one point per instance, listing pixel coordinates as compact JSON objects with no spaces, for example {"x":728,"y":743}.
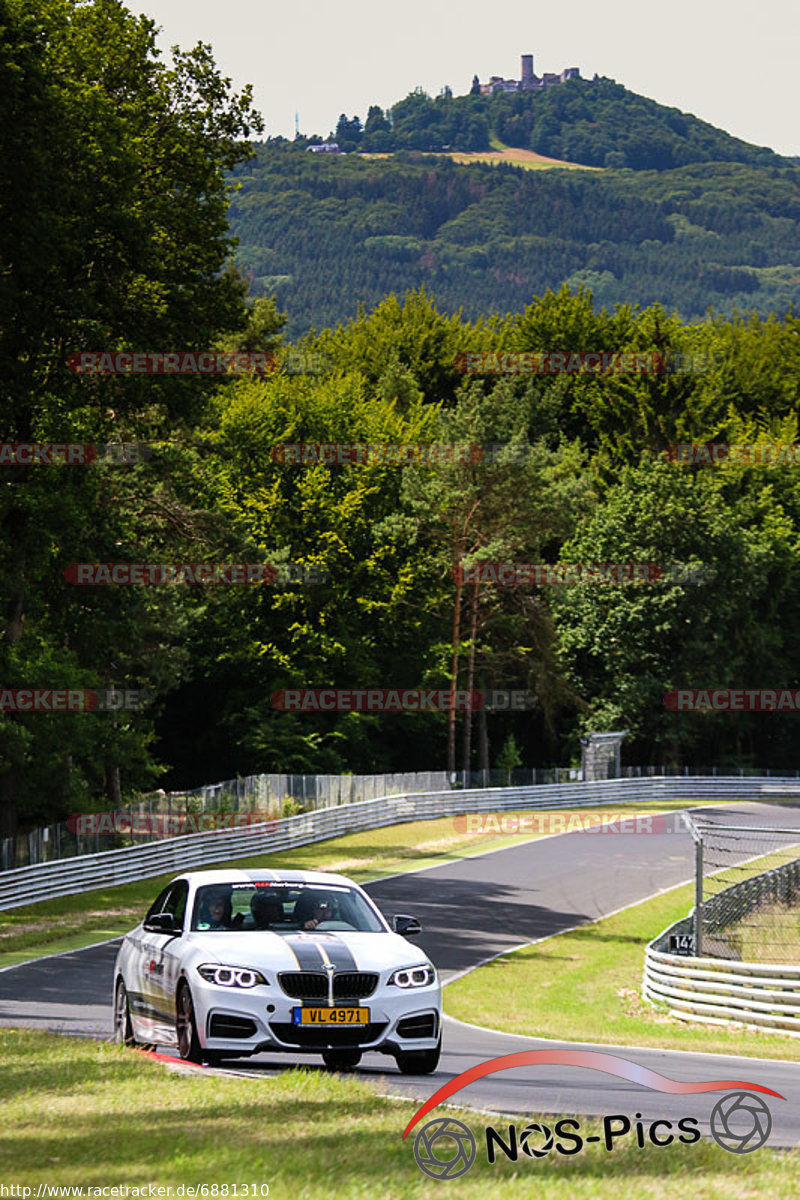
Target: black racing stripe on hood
{"x":339,"y":953}
{"x":306,"y":952}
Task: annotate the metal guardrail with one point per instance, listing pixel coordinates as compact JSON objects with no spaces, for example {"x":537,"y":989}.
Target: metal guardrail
{"x":175,"y":855}
{"x":717,"y":991}
{"x":722,"y":991}
{"x":163,"y":814}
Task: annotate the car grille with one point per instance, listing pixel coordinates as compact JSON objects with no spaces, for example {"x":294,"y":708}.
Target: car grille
{"x":313,"y":985}
{"x":327,"y":1037}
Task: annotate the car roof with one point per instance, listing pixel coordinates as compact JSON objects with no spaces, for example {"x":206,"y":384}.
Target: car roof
{"x":263,"y":875}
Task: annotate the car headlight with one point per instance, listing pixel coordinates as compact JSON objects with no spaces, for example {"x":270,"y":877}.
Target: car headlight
{"x":411,"y":977}
{"x":242,"y":977}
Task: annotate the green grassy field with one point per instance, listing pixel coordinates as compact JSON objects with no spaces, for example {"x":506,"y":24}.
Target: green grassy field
{"x":70,"y":922}
{"x":85,"y":1114}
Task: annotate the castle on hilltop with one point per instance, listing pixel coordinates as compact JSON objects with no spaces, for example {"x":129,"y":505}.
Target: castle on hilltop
{"x":528,"y":83}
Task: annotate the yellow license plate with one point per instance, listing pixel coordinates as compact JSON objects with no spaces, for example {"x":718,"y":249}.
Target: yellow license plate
{"x":331,"y":1016}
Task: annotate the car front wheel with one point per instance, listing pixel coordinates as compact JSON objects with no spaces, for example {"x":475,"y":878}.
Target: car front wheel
{"x":185,"y":1027}
{"x":419,"y":1062}
{"x":123,"y":1026}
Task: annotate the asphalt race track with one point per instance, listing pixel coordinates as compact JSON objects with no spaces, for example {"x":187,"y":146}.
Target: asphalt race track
{"x":472,"y":910}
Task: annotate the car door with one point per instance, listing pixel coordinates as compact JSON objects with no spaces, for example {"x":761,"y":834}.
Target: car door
{"x":162,"y":952}
{"x":144,"y":948}
{"x":172,"y":948}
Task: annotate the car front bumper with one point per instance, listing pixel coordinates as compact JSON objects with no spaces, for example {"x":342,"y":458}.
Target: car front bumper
{"x":251,"y":1020}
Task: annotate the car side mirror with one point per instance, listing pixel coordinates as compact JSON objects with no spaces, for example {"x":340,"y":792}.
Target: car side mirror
{"x":162,"y":922}
{"x":406,"y":926}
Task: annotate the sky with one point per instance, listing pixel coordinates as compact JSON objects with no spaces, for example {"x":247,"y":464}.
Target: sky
{"x":733,"y":63}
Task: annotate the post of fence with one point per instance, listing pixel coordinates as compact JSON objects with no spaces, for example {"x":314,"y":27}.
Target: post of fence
{"x":698,"y":896}
{"x":697,"y":835}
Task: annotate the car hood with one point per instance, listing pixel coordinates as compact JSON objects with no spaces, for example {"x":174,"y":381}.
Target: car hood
{"x":264,"y":950}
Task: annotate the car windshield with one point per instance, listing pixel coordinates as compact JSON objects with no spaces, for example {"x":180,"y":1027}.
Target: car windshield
{"x":282,"y":908}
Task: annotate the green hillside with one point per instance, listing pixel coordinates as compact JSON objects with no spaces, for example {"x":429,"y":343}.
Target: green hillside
{"x":595,"y":122}
{"x":328,"y":233}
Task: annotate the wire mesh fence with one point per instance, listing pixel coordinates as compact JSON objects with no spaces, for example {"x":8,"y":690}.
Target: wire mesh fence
{"x":237,"y":802}
{"x":747,"y":891}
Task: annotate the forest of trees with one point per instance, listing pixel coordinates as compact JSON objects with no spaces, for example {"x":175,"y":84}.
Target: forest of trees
{"x":325,"y":235}
{"x":116,"y":238}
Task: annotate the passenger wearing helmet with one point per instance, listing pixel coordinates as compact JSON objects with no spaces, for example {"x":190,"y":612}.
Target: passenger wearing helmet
{"x":311,"y":908}
{"x":267,"y":910}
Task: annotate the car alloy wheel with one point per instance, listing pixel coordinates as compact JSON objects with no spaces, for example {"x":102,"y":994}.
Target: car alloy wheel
{"x":123,"y":1026}
{"x":185,"y":1028}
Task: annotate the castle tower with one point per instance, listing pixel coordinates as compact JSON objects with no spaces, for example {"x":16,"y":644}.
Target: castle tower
{"x":527,"y":71}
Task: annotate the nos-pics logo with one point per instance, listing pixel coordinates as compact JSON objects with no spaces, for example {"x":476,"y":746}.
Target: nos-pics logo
{"x":445,"y":1148}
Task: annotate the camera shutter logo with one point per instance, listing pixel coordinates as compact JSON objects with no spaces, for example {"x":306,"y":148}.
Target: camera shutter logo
{"x":740,"y":1122}
{"x":529,"y":1136}
{"x":453,"y":1133}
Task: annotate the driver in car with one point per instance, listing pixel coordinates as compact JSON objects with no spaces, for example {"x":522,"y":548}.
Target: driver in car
{"x":310,"y":910}
{"x":216,"y":911}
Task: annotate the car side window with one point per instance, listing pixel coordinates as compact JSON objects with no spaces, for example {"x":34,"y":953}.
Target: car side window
{"x":158,"y":904}
{"x":175,"y":902}
{"x":172,"y":900}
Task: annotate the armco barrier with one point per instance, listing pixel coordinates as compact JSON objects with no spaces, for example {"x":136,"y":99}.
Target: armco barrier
{"x":266,"y":795}
{"x":717,"y":991}
{"x":721,"y":991}
{"x":174,"y":855}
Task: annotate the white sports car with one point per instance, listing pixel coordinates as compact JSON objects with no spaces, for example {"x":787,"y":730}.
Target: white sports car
{"x":232,"y":963}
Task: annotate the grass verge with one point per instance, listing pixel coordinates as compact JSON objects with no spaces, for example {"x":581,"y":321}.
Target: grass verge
{"x":70,"y":922}
{"x":85,"y":1114}
{"x":586,"y":986}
